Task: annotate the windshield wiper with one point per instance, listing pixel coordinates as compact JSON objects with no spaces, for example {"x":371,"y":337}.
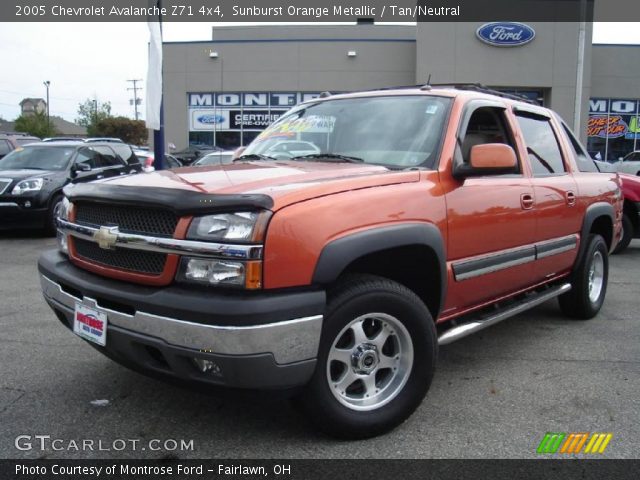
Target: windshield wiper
{"x":254,"y":156}
{"x":330,"y":157}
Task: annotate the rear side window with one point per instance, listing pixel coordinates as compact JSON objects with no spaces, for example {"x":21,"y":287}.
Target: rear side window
{"x":125,"y":153}
{"x":89,"y":157}
{"x":108,"y":157}
{"x":585,"y":163}
{"x":542,"y":145}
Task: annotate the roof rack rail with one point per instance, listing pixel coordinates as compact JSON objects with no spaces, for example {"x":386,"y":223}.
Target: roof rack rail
{"x":478,"y":87}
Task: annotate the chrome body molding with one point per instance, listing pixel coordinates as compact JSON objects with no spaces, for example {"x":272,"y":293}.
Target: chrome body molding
{"x":289,"y":341}
{"x":165,"y":245}
{"x":496,"y":261}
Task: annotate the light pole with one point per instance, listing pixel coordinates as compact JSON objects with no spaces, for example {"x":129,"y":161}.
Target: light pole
{"x":47,"y":83}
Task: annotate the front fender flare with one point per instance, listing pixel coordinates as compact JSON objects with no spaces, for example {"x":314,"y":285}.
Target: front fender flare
{"x":338,"y":254}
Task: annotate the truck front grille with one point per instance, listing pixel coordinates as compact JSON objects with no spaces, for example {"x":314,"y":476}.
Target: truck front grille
{"x":136,"y":261}
{"x":146,"y":221}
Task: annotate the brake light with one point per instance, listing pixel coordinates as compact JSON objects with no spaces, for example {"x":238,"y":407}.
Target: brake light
{"x":148,"y":162}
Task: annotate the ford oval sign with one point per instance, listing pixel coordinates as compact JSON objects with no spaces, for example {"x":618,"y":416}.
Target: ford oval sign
{"x":505,"y":34}
{"x":210,"y":119}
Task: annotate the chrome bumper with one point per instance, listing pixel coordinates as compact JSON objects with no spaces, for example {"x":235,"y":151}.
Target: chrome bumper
{"x":289,"y":341}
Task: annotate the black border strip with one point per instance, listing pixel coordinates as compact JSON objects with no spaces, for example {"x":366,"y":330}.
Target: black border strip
{"x":182,"y":202}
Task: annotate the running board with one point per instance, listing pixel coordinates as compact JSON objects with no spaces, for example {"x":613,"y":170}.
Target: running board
{"x":468,"y":328}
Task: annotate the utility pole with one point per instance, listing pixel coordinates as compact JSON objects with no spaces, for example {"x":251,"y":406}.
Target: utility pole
{"x":135,"y":89}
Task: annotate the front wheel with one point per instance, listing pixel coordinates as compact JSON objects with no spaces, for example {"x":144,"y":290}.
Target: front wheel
{"x":52,"y":215}
{"x":589,"y":285}
{"x":376,"y":360}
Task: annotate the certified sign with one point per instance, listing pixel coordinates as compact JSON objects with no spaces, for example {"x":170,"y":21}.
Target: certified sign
{"x":505,"y":34}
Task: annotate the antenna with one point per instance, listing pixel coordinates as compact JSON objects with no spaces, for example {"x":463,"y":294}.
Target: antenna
{"x":427,"y":86}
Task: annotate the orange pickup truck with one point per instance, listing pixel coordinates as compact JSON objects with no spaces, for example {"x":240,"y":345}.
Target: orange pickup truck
{"x":353,"y":237}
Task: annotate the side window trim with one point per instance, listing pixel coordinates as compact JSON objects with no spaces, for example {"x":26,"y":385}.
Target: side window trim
{"x":469,"y":109}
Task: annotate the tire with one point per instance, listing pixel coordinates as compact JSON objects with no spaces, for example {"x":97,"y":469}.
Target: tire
{"x":627,"y":234}
{"x":397,"y":372}
{"x":50,"y":226}
{"x":589,"y":285}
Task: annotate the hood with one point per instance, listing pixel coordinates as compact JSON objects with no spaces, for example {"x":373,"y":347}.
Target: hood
{"x":26,"y":173}
{"x":284,"y":181}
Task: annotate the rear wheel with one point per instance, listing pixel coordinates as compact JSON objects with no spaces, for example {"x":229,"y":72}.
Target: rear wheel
{"x":589,"y":286}
{"x":627,"y":234}
{"x":376,"y":360}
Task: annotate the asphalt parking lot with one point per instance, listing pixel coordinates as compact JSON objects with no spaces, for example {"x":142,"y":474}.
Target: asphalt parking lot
{"x":495,"y":394}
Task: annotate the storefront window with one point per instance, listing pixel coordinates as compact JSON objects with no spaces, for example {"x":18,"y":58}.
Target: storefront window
{"x":232,"y":119}
{"x":614,"y":128}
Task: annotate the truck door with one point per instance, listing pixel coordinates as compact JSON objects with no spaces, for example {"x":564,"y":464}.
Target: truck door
{"x":491,"y":218}
{"x":556,"y":196}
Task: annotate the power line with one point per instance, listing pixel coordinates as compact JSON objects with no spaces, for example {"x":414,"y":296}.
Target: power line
{"x":135,"y":89}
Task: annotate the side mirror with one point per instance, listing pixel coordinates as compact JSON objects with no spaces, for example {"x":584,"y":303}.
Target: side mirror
{"x":488,"y":159}
{"x":81,"y":167}
{"x":237,"y":152}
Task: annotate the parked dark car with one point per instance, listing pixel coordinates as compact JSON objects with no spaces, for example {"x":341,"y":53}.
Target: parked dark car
{"x":11,"y":141}
{"x":32,"y":177}
{"x":193,"y":153}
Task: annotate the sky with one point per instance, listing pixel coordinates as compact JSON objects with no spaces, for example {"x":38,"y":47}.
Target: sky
{"x":95,"y":60}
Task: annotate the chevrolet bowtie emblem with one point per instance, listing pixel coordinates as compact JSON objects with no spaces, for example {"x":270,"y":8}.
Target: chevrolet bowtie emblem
{"x":106,"y":237}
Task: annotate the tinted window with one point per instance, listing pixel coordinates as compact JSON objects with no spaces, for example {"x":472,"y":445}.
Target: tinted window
{"x":4,"y":147}
{"x":633,"y":157}
{"x":542,"y":145}
{"x":585,"y":163}
{"x":125,"y":153}
{"x":89,"y":157}
{"x":108,"y":157}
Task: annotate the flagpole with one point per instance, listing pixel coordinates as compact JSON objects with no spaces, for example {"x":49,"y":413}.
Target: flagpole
{"x":158,"y":135}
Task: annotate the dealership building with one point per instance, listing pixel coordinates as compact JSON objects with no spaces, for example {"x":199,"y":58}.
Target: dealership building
{"x":224,"y":91}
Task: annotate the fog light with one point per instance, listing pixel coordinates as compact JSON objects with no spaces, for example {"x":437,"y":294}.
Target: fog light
{"x":207,"y":366}
{"x":215,"y":272}
{"x":27,"y":204}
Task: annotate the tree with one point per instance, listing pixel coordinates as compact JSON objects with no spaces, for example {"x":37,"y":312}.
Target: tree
{"x":127,"y":130}
{"x":35,"y":124}
{"x":91,"y":112}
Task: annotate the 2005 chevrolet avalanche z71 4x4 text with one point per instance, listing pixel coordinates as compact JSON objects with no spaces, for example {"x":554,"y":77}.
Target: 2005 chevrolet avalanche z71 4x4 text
{"x":422,"y":214}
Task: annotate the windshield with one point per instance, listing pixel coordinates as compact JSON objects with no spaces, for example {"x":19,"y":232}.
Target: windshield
{"x":394,"y":131}
{"x":37,"y":158}
{"x":215,"y":159}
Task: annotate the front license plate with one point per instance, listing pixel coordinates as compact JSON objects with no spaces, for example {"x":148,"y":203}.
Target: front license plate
{"x":90,"y":324}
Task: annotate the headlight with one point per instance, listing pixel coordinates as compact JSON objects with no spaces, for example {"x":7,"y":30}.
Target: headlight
{"x":30,"y":185}
{"x":63,"y":213}
{"x":239,"y":226}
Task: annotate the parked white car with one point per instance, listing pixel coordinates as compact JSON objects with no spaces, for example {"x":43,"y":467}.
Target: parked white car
{"x":630,"y":163}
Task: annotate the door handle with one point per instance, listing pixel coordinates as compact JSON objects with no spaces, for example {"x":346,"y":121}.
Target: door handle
{"x":571,"y":198}
{"x":526,"y":201}
{"x":98,"y":177}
